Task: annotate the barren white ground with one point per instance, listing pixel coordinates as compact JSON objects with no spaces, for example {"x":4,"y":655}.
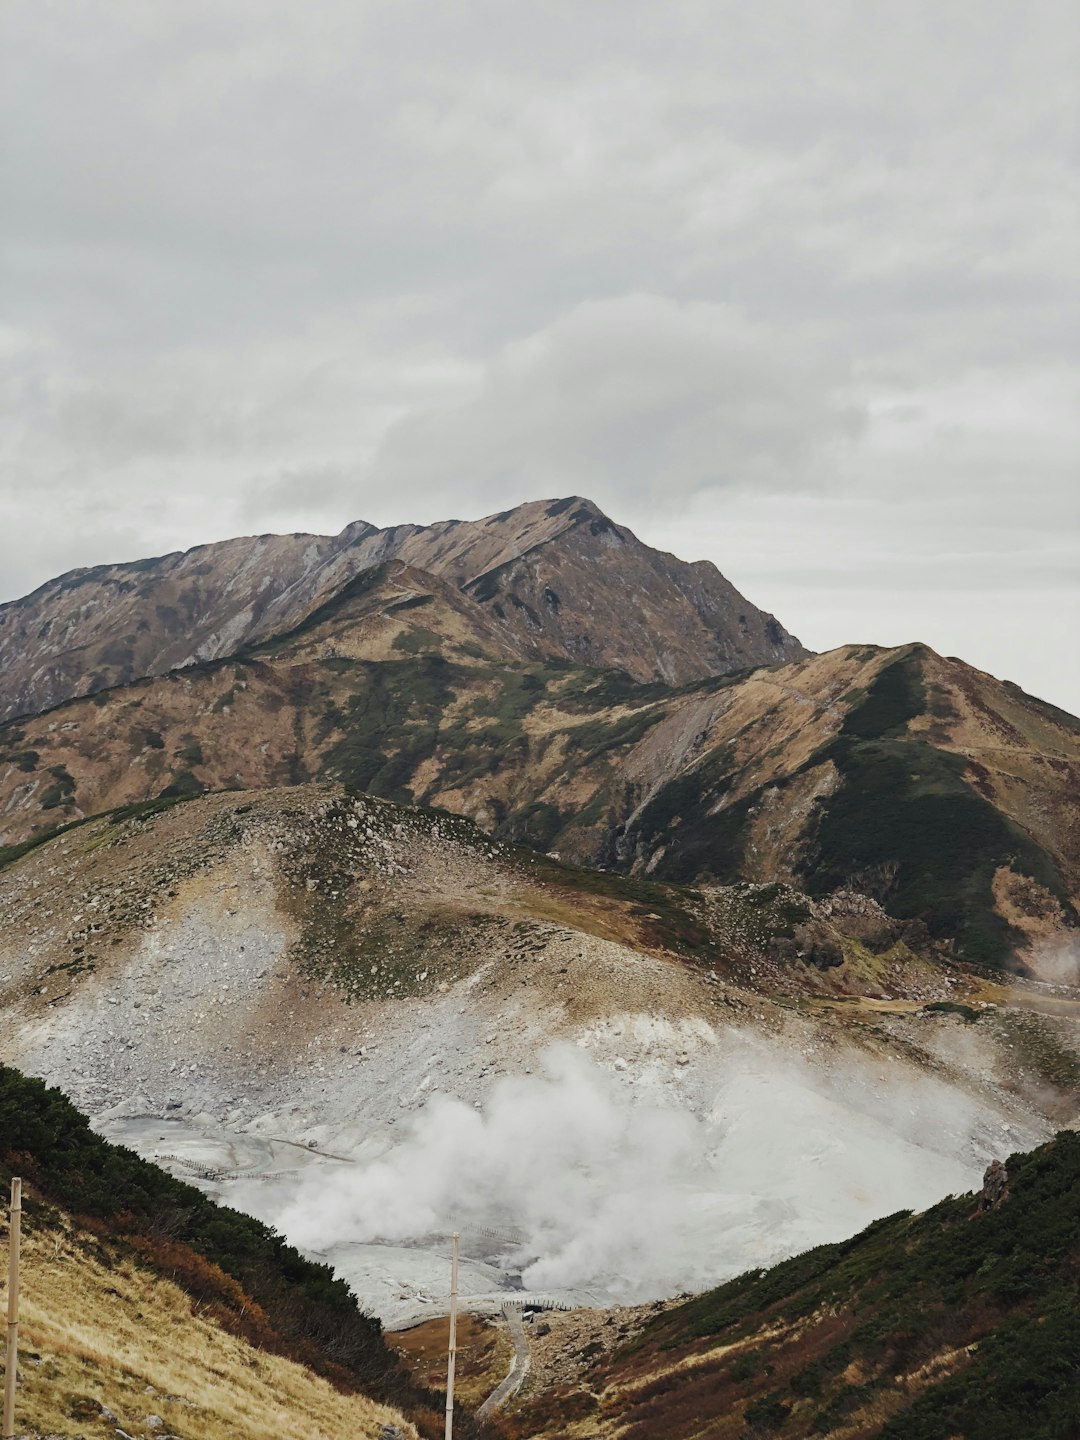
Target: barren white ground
{"x":652,"y":1141}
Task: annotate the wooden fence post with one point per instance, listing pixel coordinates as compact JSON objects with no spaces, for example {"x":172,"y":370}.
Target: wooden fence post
{"x":12,"y":1310}
{"x":451,"y":1354}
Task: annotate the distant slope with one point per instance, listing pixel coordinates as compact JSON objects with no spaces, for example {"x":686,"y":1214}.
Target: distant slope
{"x":247,"y":1286}
{"x":937,"y":1326}
{"x":558,"y":577}
{"x":951,"y":796}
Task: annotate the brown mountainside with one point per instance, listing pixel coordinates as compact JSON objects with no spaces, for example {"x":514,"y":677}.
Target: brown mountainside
{"x":558,"y":576}
{"x":949,"y":795}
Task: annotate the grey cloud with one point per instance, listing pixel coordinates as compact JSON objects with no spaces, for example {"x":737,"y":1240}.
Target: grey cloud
{"x":275,"y":264}
{"x":637,"y":394}
{"x":314,"y":491}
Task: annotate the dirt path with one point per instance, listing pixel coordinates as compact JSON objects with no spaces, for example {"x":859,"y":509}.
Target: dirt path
{"x":853,"y":1004}
{"x":518,"y":1370}
{"x":1016,"y":998}
{"x":1049,"y":1004}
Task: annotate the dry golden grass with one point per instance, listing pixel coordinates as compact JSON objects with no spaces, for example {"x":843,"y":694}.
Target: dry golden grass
{"x":484,"y":1353}
{"x":98,"y":1327}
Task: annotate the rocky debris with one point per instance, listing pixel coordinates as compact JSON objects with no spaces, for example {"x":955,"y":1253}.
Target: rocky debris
{"x":862,"y":918}
{"x":995,"y":1189}
{"x":815,"y":944}
{"x":847,"y":903}
{"x":786,"y":942}
{"x":85,"y":1407}
{"x":566,"y":1344}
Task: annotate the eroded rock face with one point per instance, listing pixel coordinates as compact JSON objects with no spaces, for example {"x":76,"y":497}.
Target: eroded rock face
{"x":995,"y":1189}
{"x":560,"y":578}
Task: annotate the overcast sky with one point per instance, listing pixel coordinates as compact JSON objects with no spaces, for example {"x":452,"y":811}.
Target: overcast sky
{"x":791,"y":285}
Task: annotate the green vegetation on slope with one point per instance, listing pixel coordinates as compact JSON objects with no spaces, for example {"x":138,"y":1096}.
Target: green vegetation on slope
{"x":906,"y":824}
{"x":252,"y":1281}
{"x":950,"y":1325}
{"x":390,"y":723}
{"x":708,"y":840}
{"x":896,"y":696}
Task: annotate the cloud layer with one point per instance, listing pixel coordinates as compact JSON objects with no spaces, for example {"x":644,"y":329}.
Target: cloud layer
{"x":793,"y":287}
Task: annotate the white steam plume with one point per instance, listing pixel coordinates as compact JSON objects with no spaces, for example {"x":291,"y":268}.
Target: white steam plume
{"x":641,"y":1199}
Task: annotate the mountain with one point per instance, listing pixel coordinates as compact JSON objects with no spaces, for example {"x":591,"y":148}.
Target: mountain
{"x":950,"y":796}
{"x":511,"y":877}
{"x":274,"y":992}
{"x":149,"y":1308}
{"x":559,"y":578}
{"x":962,"y":1321}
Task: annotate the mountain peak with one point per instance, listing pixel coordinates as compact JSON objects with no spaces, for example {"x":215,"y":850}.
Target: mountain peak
{"x":559,"y":577}
{"x":578,"y":507}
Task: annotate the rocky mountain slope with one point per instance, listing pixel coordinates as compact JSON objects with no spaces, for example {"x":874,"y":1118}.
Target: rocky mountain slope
{"x":951,"y":796}
{"x":961,"y":1321}
{"x":148,"y":1310}
{"x":794,"y":941}
{"x":558,"y":578}
{"x":287,"y":994}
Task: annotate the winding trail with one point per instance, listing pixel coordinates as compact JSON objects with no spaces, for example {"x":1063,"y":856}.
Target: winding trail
{"x":518,"y":1370}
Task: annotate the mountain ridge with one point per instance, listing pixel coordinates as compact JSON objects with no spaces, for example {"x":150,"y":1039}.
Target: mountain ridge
{"x":863,"y":766}
{"x":105,"y":625}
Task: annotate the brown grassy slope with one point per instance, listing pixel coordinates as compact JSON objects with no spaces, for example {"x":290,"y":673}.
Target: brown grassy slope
{"x":484,"y":1353}
{"x":402,"y":687}
{"x":101,"y":1328}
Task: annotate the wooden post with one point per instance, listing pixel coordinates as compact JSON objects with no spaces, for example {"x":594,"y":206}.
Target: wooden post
{"x":451,"y":1355}
{"x":12,"y":1310}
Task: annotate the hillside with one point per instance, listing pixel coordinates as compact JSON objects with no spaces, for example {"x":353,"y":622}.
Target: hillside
{"x":272,"y":991}
{"x":141,"y":1298}
{"x":951,"y":796}
{"x":107,"y":1338}
{"x":960,"y":1323}
{"x":557,"y":579}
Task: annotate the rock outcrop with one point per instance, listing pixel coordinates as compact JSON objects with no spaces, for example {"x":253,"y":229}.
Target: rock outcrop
{"x":995,"y":1190}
